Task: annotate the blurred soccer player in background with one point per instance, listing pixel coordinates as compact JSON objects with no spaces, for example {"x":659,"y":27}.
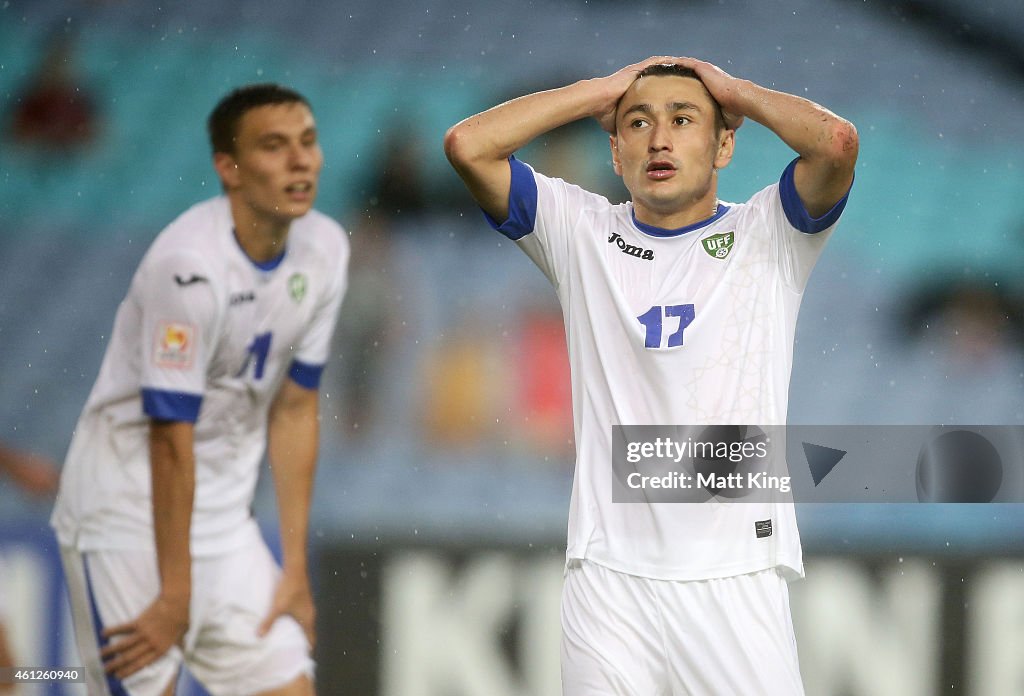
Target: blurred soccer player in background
{"x":215,"y":356}
{"x":679,"y":309}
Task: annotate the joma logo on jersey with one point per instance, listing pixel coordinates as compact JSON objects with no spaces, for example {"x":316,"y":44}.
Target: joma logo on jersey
{"x":719,"y":245}
{"x":638,"y":252}
{"x":242,"y":297}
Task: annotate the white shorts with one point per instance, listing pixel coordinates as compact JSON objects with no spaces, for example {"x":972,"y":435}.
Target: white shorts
{"x":633,"y":636}
{"x":231,"y":595}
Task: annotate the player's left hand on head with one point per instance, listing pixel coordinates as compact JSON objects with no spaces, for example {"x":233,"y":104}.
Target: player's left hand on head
{"x":292,"y":597}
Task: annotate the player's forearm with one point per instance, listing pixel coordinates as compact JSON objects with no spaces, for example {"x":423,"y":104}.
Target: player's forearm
{"x":814,"y":132}
{"x":172,"y":465}
{"x":292,"y":447}
{"x":495,"y":134}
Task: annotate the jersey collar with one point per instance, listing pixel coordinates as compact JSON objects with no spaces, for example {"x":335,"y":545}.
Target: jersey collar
{"x":262,"y":265}
{"x":662,"y":232}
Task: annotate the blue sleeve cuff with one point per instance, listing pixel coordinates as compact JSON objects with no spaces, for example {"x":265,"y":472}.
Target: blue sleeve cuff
{"x":306,"y":375}
{"x":171,"y":406}
{"x":522,"y":203}
{"x":794,"y":208}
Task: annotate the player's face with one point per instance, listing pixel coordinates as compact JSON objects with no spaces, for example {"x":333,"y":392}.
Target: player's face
{"x":666,"y":149}
{"x":277,"y":161}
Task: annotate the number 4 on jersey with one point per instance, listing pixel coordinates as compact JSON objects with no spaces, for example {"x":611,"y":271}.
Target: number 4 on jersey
{"x":658,"y":319}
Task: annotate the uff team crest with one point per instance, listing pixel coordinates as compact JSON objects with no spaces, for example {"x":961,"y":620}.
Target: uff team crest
{"x":719,"y":245}
{"x":297,"y":286}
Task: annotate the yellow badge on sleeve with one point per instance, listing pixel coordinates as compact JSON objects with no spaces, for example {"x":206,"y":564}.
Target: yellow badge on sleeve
{"x":175,"y":345}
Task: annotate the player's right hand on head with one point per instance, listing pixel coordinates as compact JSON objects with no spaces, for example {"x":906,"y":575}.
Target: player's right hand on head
{"x":616,"y":85}
{"x":141,"y":642}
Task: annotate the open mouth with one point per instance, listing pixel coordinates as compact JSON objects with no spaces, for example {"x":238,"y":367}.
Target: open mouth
{"x":660,"y":169}
{"x":299,"y":188}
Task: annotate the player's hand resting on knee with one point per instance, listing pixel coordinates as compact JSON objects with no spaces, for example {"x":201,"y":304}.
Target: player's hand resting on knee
{"x":141,"y":642}
{"x":293,"y":597}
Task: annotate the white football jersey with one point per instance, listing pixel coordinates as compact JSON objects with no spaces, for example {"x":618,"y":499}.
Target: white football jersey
{"x":208,"y":336}
{"x":693,"y":326}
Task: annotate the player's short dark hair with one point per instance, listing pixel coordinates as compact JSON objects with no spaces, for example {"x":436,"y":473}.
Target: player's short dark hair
{"x":676,"y":70}
{"x":222,"y":125}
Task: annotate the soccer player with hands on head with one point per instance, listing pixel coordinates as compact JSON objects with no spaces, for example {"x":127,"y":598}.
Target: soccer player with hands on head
{"x":679,"y":309}
{"x":215,"y":358}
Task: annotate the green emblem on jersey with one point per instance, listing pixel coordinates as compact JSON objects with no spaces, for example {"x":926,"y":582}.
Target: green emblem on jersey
{"x":719,"y":245}
{"x":297,"y":287}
